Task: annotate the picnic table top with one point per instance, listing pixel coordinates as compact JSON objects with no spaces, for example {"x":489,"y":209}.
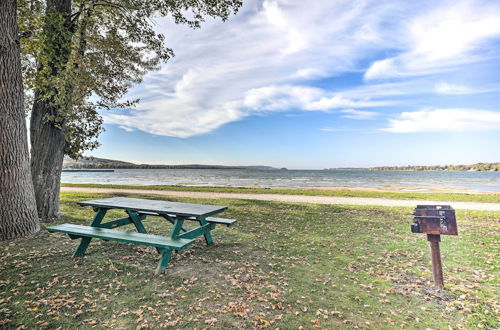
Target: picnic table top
{"x":161,"y":207}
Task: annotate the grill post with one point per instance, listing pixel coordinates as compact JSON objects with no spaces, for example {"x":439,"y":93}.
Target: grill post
{"x":437,"y":267}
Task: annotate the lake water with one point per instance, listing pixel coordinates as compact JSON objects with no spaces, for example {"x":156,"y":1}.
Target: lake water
{"x":481,"y":181}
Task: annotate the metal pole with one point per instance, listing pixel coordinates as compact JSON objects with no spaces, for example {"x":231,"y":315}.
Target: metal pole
{"x":437,"y":268}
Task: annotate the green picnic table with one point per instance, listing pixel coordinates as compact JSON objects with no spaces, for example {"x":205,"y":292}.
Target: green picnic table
{"x":137,"y":211}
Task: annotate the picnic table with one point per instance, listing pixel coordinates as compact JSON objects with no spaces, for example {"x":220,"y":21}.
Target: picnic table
{"x":137,"y":211}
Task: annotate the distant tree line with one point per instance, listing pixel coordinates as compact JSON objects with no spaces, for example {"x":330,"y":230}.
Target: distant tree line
{"x":480,"y":167}
{"x":101,"y":163}
{"x":144,"y":166}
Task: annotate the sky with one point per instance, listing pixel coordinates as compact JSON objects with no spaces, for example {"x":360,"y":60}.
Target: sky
{"x":320,"y":84}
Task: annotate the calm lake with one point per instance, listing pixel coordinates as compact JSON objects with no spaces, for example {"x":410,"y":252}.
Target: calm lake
{"x":481,"y":181}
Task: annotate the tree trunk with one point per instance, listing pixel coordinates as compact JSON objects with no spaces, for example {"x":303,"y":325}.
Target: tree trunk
{"x":47,"y":138}
{"x":18,"y":214}
{"x":47,"y":154}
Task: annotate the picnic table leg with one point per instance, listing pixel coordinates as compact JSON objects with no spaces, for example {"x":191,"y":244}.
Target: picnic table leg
{"x":82,"y":247}
{"x":172,"y":221}
{"x":178,"y":225}
{"x":138,"y":224}
{"x":136,"y":221}
{"x":164,"y":260}
{"x":84,"y":243}
{"x":208,"y":236}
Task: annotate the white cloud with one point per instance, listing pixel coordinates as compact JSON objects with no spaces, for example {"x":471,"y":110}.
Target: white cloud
{"x":339,"y":101}
{"x":456,"y":89}
{"x":446,"y":88}
{"x":265,"y":59}
{"x":279,"y":98}
{"x":441,"y":39}
{"x":383,"y":68}
{"x":454,"y":30}
{"x":285,"y":97}
{"x":444,"y":120}
{"x":359,"y":115}
{"x":186,"y":120}
{"x":276,"y":16}
{"x":309,"y":73}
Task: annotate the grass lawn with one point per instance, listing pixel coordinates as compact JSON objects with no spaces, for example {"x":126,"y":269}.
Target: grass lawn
{"x":281,"y":266}
{"x":451,"y":197}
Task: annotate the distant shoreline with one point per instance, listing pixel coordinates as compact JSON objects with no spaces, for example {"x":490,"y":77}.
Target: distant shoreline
{"x":478,"y":167}
{"x":103,"y":163}
{"x":88,"y":170}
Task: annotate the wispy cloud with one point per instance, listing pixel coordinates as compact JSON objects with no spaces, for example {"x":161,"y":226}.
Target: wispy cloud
{"x":453,"y":89}
{"x":441,"y":39}
{"x":445,"y":120}
{"x":269,"y":57}
{"x":185,"y":119}
{"x":359,"y":115}
{"x":456,"y":89}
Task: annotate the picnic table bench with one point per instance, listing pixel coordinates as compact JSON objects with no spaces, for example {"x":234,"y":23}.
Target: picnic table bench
{"x":137,"y":211}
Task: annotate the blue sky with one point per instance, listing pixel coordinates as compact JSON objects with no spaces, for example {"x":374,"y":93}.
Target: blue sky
{"x":315,"y":84}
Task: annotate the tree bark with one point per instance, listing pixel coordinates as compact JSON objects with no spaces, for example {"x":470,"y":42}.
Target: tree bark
{"x":47,"y":137}
{"x":47,"y":155}
{"x":18,"y":214}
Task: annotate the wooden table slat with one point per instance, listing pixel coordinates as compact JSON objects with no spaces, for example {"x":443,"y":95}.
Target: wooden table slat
{"x":162,"y":207}
{"x":121,"y":236}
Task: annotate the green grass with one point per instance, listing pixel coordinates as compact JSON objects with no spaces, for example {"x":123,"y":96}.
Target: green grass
{"x":282,"y":266}
{"x":451,"y":197}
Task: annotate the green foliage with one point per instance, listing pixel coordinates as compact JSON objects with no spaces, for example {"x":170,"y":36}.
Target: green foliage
{"x":84,"y":59}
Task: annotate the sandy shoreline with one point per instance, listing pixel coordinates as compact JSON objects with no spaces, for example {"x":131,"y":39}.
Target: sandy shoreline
{"x":286,"y":198}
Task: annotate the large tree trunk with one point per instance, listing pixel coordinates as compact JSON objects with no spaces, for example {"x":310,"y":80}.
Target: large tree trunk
{"x":18,"y":215}
{"x":47,"y":154}
{"x":47,"y":139}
